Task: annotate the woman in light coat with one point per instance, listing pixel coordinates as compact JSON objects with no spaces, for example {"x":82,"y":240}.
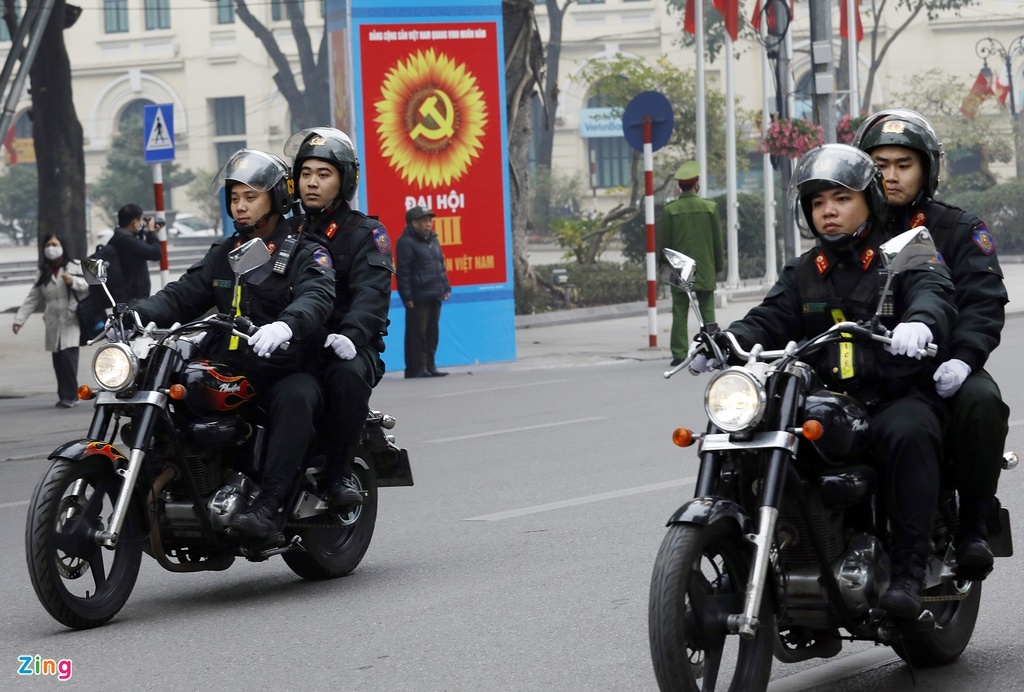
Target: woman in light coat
{"x":57,"y":291}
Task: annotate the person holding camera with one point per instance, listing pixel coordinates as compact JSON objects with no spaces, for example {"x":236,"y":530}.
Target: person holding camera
{"x":136,"y":243}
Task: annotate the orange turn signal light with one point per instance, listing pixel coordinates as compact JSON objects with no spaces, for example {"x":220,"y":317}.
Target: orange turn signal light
{"x":812,"y":430}
{"x":84,"y":392}
{"x":176,"y":392}
{"x":682,"y":437}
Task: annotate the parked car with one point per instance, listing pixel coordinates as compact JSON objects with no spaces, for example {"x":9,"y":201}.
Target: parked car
{"x":187,"y":225}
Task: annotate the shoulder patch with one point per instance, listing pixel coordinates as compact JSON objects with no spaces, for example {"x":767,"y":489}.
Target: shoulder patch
{"x":323,"y":258}
{"x":381,"y":240}
{"x":983,"y":239}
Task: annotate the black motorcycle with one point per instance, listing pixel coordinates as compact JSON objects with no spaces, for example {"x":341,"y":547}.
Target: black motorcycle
{"x":173,"y":453}
{"x":786,"y":541}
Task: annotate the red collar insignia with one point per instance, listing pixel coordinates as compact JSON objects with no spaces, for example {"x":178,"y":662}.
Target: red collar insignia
{"x":271,"y":246}
{"x":821,"y":262}
{"x":331,"y":230}
{"x":918,"y":220}
{"x":867,"y":258}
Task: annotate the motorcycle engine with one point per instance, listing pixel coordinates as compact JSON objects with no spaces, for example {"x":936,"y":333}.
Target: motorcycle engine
{"x":863,"y":572}
{"x":230,"y":499}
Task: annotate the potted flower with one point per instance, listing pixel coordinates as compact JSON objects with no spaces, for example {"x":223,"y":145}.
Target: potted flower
{"x":791,"y":138}
{"x":846,"y":128}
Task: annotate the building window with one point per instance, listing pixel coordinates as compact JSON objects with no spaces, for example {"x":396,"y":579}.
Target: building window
{"x":225,"y":12}
{"x":115,"y":16}
{"x":226,"y":149}
{"x":158,"y":14}
{"x":5,"y":35}
{"x":591,"y":2}
{"x":229,"y":116}
{"x":131,"y":117}
{"x":611,"y":157}
{"x":277,"y":11}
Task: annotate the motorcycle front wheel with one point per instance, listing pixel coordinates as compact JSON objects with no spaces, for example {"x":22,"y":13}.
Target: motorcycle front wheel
{"x":80,"y":583}
{"x":700,"y":577}
{"x":335,"y":543}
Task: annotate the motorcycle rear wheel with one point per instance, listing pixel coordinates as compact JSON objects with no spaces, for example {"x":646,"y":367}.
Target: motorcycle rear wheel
{"x":336,"y":549}
{"x":954,"y":626}
{"x":75,"y":580}
{"x":687,"y":610}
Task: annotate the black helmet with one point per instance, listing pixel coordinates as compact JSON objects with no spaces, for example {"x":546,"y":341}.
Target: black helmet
{"x":903,"y":127}
{"x":260,"y":171}
{"x":330,"y":145}
{"x":832,"y":165}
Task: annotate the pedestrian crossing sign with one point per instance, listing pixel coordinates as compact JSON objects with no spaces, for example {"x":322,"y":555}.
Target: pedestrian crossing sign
{"x":158,"y":132}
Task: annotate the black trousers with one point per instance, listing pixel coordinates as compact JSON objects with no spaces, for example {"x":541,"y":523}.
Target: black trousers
{"x":976,"y":434}
{"x":294,"y":402}
{"x":65,"y":366}
{"x":421,"y":334}
{"x":906,"y":443}
{"x":348,"y":385}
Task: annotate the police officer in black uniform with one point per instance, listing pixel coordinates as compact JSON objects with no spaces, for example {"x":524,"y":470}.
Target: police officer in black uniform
{"x":908,"y":152}
{"x":839,"y":191}
{"x":326,"y":170}
{"x":291,"y":297}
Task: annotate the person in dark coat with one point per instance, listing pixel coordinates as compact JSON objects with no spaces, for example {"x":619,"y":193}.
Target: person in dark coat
{"x":136,"y":246}
{"x":839,"y":191}
{"x":908,"y":152}
{"x":423,"y":286}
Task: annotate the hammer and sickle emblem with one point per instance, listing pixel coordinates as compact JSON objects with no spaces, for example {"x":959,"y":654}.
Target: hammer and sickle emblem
{"x":442,"y":121}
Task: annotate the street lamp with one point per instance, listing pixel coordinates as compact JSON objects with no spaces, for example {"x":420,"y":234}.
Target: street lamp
{"x":990,"y":47}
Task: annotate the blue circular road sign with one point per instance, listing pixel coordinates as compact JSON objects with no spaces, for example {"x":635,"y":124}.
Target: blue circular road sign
{"x":653,"y":105}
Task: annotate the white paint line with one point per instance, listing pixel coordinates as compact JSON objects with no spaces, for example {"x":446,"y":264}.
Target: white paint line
{"x":495,"y":389}
{"x":835,"y":671}
{"x":537,"y":509}
{"x":1015,"y":423}
{"x":8,"y":505}
{"x":515,"y":430}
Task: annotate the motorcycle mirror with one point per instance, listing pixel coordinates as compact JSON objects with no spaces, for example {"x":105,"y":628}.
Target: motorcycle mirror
{"x":682,"y":269}
{"x":248,"y":256}
{"x":909,"y":249}
{"x":95,"y":271}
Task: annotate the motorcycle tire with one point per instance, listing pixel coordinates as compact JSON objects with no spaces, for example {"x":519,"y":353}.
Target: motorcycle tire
{"x":335,"y":549}
{"x":688,"y":652}
{"x":954,"y":626}
{"x":81,"y":584}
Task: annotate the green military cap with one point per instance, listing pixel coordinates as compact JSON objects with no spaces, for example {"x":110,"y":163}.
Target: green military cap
{"x":688,"y":172}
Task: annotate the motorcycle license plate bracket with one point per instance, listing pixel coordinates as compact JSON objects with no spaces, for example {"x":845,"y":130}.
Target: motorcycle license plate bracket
{"x":1000,"y":542}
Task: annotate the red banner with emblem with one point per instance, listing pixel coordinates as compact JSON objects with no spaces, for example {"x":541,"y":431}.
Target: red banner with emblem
{"x":432,"y":129}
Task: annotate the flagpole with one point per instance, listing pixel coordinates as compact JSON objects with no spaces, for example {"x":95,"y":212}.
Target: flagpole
{"x":731,"y":234}
{"x":852,"y":40}
{"x":702,"y":155}
{"x":770,"y":271}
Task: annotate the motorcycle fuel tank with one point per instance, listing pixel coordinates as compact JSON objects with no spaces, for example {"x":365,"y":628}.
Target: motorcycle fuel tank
{"x":211,"y":388}
{"x":845,"y":424}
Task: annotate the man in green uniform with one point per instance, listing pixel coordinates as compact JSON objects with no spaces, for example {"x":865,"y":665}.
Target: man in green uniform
{"x":690,"y":225}
{"x":907,"y":151}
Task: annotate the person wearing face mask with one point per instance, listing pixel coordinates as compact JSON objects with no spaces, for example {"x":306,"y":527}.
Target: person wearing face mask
{"x":839,"y":192}
{"x":57,"y":291}
{"x":290,"y":296}
{"x":326,"y":170}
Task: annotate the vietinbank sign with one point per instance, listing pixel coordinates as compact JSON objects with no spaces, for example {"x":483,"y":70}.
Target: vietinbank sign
{"x":426,"y":109}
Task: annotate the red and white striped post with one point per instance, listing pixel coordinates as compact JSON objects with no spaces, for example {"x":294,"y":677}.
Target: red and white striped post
{"x":652,"y":282}
{"x":158,"y":201}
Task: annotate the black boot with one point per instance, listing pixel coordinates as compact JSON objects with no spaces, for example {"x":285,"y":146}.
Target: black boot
{"x":974,"y":559}
{"x":342,"y":492}
{"x":902,"y":599}
{"x":262,"y":519}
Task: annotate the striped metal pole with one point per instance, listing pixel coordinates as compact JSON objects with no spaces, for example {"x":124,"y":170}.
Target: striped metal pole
{"x":652,"y":286}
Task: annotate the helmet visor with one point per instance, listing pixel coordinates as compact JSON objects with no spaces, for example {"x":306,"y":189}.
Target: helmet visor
{"x":259,"y":170}
{"x":829,"y":166}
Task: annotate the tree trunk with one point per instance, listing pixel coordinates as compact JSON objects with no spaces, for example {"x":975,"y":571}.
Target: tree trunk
{"x":57,"y":133}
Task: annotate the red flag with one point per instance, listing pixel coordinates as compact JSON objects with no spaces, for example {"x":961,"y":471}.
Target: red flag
{"x":843,"y":31}
{"x":12,"y":154}
{"x":1002,"y":88}
{"x":730,"y":11}
{"x":981,"y":90}
{"x":689,"y":23}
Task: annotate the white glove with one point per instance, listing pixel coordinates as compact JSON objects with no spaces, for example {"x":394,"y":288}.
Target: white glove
{"x":701,"y":362}
{"x":341,"y":345}
{"x":269,"y":337}
{"x":949,"y":376}
{"x":908,"y":338}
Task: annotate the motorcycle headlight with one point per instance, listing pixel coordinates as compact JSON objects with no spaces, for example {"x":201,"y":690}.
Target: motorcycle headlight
{"x":735,"y":400}
{"x":114,"y":367}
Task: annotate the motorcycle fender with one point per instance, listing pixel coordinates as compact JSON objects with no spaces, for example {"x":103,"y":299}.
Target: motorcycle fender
{"x":76,"y":450}
{"x":703,"y":511}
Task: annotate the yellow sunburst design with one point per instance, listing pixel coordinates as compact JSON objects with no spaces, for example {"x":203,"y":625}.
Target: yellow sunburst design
{"x":431,"y":118}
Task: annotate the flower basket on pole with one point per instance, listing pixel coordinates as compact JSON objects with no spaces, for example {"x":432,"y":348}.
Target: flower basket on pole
{"x":791,"y":138}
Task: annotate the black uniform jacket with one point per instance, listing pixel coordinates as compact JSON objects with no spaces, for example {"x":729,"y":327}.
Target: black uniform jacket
{"x":421,"y":273}
{"x":301,"y":296}
{"x":823,"y":287}
{"x":361,"y":251}
{"x":969,"y":250}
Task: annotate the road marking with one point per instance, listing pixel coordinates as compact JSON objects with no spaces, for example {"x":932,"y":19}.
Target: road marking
{"x":8,"y":505}
{"x":537,"y":509}
{"x":852,"y":665}
{"x":1015,"y":423}
{"x":515,"y":430}
{"x":495,"y":389}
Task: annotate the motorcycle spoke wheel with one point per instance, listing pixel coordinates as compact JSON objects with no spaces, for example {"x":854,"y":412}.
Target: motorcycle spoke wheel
{"x":79,"y":582}
{"x":699,"y":579}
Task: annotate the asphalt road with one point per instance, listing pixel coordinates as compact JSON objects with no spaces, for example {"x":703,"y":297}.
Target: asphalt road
{"x":520,"y":560}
